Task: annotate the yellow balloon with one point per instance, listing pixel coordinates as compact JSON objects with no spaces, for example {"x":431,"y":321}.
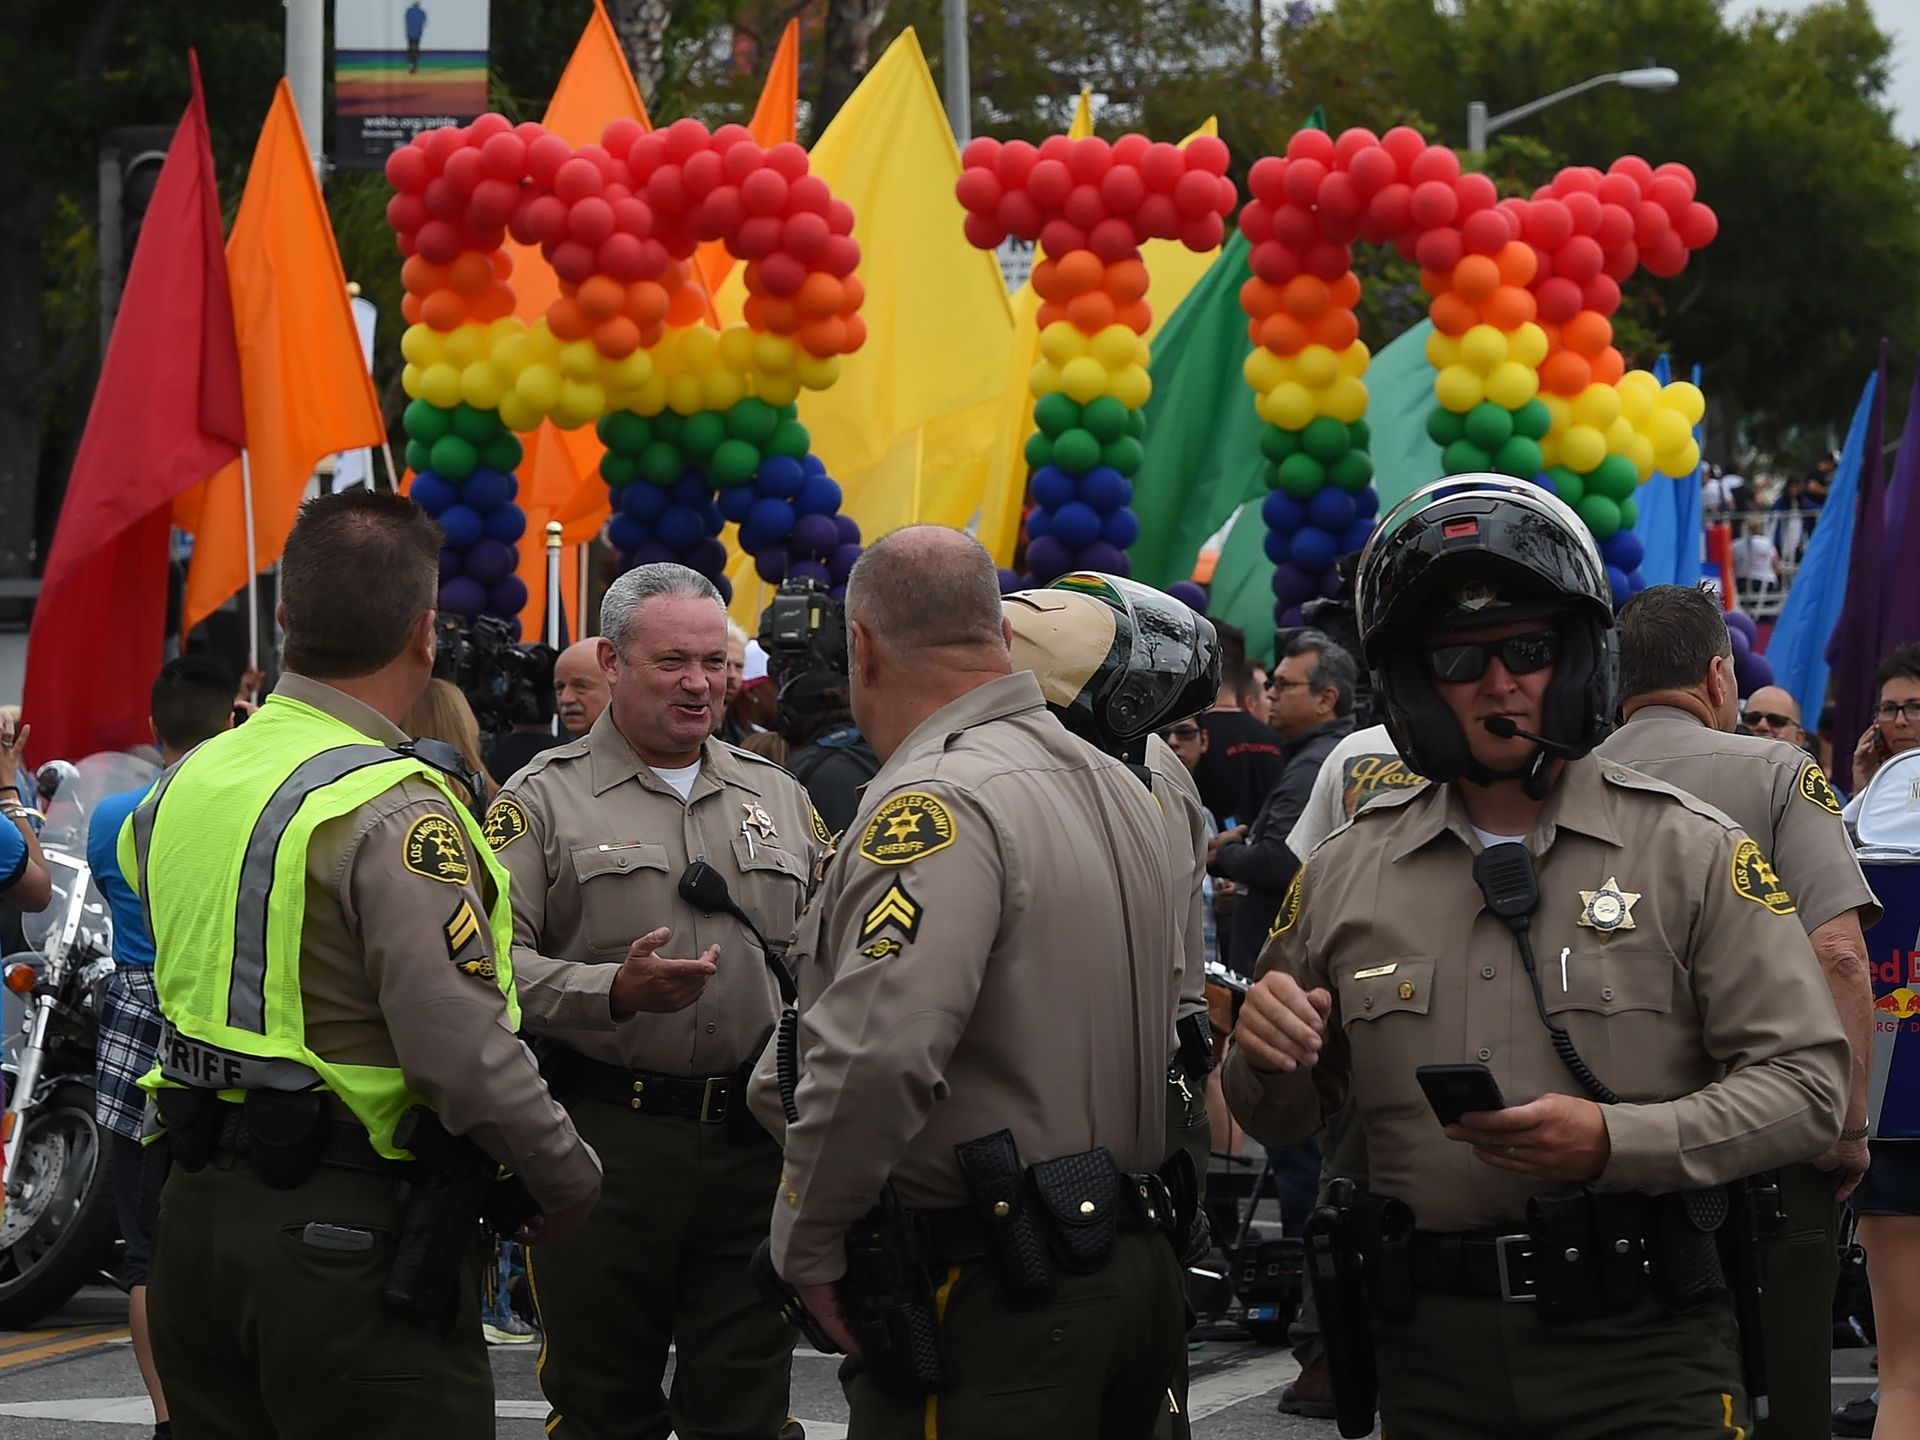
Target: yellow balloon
{"x":1685,"y":396}
{"x":684,"y":395}
{"x":1640,"y":451}
{"x":579,"y":360}
{"x":700,"y":349}
{"x":1597,"y":405}
{"x":1042,"y":380}
{"x":538,"y":387}
{"x":422,"y":345}
{"x":1667,"y":429}
{"x":1345,"y":399}
{"x":777,"y":389}
{"x":736,"y":349}
{"x":410,"y":380}
{"x":818,"y":372}
{"x":580,"y":402}
{"x":1560,"y":414}
{"x":1512,"y":384}
{"x":1483,"y":347}
{"x":1316,"y":367}
{"x":466,"y":344}
{"x":1682,"y":462}
{"x":1442,"y":350}
{"x":774,"y":353}
{"x":631,"y":372}
{"x":1290,"y":405}
{"x":724,"y":388}
{"x":511,"y":355}
{"x":1620,"y":436}
{"x":1061,"y":342}
{"x":440,"y":386}
{"x":1133,"y":387}
{"x":1263,"y":370}
{"x":1638,"y":400}
{"x":1582,"y":448}
{"x":1353,"y":360}
{"x":481,"y":386}
{"x":516,"y":414}
{"x":1459,"y":388}
{"x":1528,"y":345}
{"x":1116,"y":346}
{"x":1083,"y":378}
{"x":651,"y":398}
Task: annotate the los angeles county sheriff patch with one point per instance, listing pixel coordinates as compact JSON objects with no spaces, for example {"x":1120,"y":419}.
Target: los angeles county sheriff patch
{"x":905,"y":828}
{"x":1289,"y":909}
{"x":433,"y":849}
{"x":1754,"y":879}
{"x":506,"y":823}
{"x":820,"y":831}
{"x":1815,"y":786}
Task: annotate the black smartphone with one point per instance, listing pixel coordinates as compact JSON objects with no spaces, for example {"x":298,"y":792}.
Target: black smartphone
{"x":1456,"y":1090}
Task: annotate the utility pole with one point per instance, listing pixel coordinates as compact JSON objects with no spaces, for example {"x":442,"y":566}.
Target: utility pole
{"x":306,"y":59}
{"x":959,"y":100}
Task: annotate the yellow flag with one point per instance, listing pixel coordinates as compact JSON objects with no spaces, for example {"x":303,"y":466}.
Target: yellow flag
{"x":908,"y":429}
{"x":1173,"y":271}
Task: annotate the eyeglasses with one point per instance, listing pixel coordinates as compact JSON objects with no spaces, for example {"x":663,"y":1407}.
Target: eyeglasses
{"x":1276,"y":684}
{"x":1887,"y":712}
{"x":1758,"y":717}
{"x":1521,"y":654}
{"x":1179,"y":732}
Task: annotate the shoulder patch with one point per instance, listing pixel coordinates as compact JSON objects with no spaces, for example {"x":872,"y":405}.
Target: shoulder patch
{"x":1815,"y":786}
{"x":905,"y":828}
{"x":466,"y":945}
{"x":882,"y":948}
{"x":506,"y":823}
{"x":820,"y":831}
{"x":1289,"y":908}
{"x":896,"y":908}
{"x":1754,"y":879}
{"x":433,"y":848}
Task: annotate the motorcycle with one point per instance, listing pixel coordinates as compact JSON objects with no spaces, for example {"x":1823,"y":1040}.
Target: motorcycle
{"x":58,"y":1228}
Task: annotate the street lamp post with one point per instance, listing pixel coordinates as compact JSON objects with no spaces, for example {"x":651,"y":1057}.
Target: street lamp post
{"x":1480,"y":124}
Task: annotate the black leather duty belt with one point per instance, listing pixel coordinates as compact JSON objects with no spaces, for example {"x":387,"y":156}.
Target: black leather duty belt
{"x":702,"y":1098}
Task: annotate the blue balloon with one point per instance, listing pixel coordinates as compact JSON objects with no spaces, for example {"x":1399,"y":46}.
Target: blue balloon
{"x":1039,"y":522}
{"x":680,"y":527}
{"x":507,"y":524}
{"x":1278,"y":547}
{"x":715,"y":521}
{"x":462,"y":526}
{"x":770,"y":518}
{"x":780,"y":476}
{"x":813,"y":465}
{"x":487,"y":490}
{"x":1120,"y":529}
{"x":1314,"y":550}
{"x":1356,"y":536}
{"x":1332,"y":509}
{"x":1618,"y":583}
{"x":1076,"y":525}
{"x":627,"y":535}
{"x":734,"y":502}
{"x":1052,"y":487}
{"x":643,"y":502}
{"x":819,"y":496}
{"x":691,"y":490}
{"x":1106,"y":489}
{"x":1282,"y":512}
{"x":431,"y":493}
{"x":1624,"y":549}
{"x":1366,"y":503}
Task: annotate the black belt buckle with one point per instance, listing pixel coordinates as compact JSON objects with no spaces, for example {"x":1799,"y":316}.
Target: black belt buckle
{"x":714,"y":1098}
{"x":1507,"y":1269}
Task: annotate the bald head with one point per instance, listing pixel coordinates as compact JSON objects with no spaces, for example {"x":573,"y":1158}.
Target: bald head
{"x":927,"y":587}
{"x":580,"y":690}
{"x":1772,"y":712}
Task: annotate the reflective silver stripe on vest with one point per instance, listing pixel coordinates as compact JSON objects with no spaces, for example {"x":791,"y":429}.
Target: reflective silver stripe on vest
{"x":143,"y":817}
{"x":246,"y":992}
{"x":194,"y":1063}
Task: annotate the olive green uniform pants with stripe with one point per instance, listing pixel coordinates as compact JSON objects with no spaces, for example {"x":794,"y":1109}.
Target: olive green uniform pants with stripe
{"x":1468,"y":1368}
{"x":258,"y":1332}
{"x":662,"y":1261}
{"x":1091,"y":1365}
{"x":1796,"y":1308}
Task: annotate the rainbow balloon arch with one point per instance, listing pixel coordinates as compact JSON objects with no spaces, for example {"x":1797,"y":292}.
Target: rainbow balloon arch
{"x":700,"y":424}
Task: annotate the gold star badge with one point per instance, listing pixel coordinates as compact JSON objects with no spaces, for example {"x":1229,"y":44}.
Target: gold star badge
{"x":903,"y":824}
{"x":760,"y":820}
{"x":1609,"y":907}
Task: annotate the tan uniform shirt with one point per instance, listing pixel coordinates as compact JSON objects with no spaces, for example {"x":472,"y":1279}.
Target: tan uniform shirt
{"x":1770,"y":789}
{"x":1707,"y":1015}
{"x":596,"y":844}
{"x":1185,"y":819}
{"x":380,"y":985}
{"x":988,"y":950}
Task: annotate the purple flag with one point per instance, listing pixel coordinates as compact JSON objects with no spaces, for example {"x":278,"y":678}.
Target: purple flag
{"x":1902,"y":607}
{"x":1857,"y":645}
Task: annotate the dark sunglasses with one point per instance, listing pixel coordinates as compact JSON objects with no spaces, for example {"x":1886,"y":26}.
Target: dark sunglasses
{"x":1521,"y":654}
{"x":1756,"y":717}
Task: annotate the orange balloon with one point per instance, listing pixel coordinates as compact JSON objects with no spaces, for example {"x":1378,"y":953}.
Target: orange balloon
{"x":471,"y":272}
{"x":1345,"y":292}
{"x":1476,"y":277}
{"x":1305,"y":296}
{"x":1126,"y":281}
{"x":783,"y":316}
{"x":496,"y":304}
{"x":647,"y":303}
{"x":1051,"y":312}
{"x":602,"y":297}
{"x":856,"y":334}
{"x":1042,"y":278}
{"x":444,"y":309}
{"x":502,"y":265}
{"x":754,"y":312}
{"x":1565,"y":373}
{"x":1077,"y":272}
{"x":1518,"y":262}
{"x":410,"y":308}
{"x":853,"y":294}
{"x":616,"y":338}
{"x":1336,"y":329}
{"x":820,"y":294}
{"x":568,"y":320}
{"x":1508,"y":308}
{"x":1253,"y":330}
{"x":1092,"y":312}
{"x":1588,"y":333}
{"x":1435,"y":282}
{"x":1282,"y":334}
{"x":687,"y":307}
{"x":1258,"y":298}
{"x":1608,"y":367}
{"x":1137,"y":317}
{"x":421,"y":276}
{"x":1452,"y":315}
{"x":824,"y":336}
{"x":652,"y":335}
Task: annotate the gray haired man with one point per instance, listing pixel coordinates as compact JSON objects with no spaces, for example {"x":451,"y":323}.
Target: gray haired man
{"x":650,"y":1053}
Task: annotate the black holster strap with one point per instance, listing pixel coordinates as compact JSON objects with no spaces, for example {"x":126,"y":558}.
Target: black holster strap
{"x":1003,"y":1203}
{"x":959,"y":1237}
{"x":706,"y":1098}
{"x":345,"y":1147}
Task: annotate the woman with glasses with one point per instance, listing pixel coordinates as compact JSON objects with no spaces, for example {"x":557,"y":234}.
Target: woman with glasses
{"x":1896,"y":718}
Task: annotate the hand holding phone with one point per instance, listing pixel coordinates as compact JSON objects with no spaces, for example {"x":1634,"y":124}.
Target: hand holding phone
{"x":1457,"y":1090}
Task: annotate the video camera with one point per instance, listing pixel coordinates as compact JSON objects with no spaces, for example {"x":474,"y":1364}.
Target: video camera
{"x":506,"y":684}
{"x":804,"y":632}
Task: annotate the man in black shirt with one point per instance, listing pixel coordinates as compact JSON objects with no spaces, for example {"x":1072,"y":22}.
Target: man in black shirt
{"x":1243,"y":761}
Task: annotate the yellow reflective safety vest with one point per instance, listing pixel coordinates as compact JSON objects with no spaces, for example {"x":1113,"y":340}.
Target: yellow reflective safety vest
{"x":218,"y":855}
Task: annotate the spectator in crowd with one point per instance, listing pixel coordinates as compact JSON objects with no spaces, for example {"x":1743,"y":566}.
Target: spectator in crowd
{"x":1792,"y":523}
{"x":442,"y":713}
{"x":1756,"y":563}
{"x":1896,"y":719}
{"x":580,"y":690}
{"x":1774,"y":714}
{"x":732,"y":731}
{"x":1258,"y":699}
{"x":755,"y":707}
{"x":1242,"y":761}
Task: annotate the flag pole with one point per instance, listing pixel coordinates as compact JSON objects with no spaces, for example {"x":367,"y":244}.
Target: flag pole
{"x":581,"y":563}
{"x":553,"y":598}
{"x":393,"y":479}
{"x":253,"y":560}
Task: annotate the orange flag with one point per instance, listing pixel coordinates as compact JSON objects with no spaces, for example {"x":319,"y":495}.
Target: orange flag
{"x":775,"y":119}
{"x":303,"y":377}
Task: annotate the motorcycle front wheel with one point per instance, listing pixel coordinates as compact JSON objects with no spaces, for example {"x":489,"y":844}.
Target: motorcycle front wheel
{"x":59,"y":1219}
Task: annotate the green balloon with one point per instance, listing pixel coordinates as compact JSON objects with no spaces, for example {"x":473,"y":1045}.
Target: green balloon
{"x":617,"y":469}
{"x":702,"y":434}
{"x":1137,"y":424}
{"x":426,"y":423}
{"x":1629,"y":513}
{"x":1489,"y":426}
{"x":1519,"y":456}
{"x":1533,"y":419}
{"x":1076,"y":451}
{"x":733,"y":463}
{"x":1302,"y":476}
{"x":625,"y":432}
{"x":502,"y":453}
{"x":660,"y":463}
{"x":1463,"y":457}
{"x":477,"y":426}
{"x":1106,"y":417}
{"x":419,"y":455}
{"x":454,"y":458}
{"x":1567,"y":485}
{"x":1276,"y":444}
{"x":1056,"y":412}
{"x":1614,"y":477}
{"x":1351,"y":471}
{"x":1602,"y":516}
{"x":667,"y":425}
{"x":1444,"y":427}
{"x":789,"y":438}
{"x":1126,"y":455}
{"x":752,"y":420}
{"x":1360,"y":435}
{"x":1325,"y":439}
{"x":1039,"y":449}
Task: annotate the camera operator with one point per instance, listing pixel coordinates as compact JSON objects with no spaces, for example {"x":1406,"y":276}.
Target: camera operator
{"x":509,"y":686}
{"x":805,"y":636}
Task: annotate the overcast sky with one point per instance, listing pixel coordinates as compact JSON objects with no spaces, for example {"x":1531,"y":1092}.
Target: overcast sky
{"x":1900,"y":18}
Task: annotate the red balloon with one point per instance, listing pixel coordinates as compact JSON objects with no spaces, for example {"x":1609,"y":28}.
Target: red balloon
{"x":1201,"y":233}
{"x":1621,"y":261}
{"x":485,"y":127}
{"x":1440,"y":249}
{"x":577,"y":179}
{"x":1476,"y":193}
{"x":493,"y":203}
{"x":618,"y":137}
{"x":1600,"y":295}
{"x":1667,"y":256}
{"x":623,"y":257}
{"x":787,"y":160}
{"x":757,"y":237}
{"x":1311,"y":145}
{"x":1162,"y":166}
{"x":633,"y":216}
{"x":1274,"y":263}
{"x":981,"y":150}
{"x":806,"y":236}
{"x":1340,"y":198}
{"x":1049,"y":183}
{"x":572,"y":261}
{"x":978,"y":190}
{"x":1018,"y":215}
{"x":1671,"y":194}
{"x":590,"y":221}
{"x":1090,"y":160}
{"x":1303,"y":180}
{"x":1698,"y":226}
{"x":1616,"y":227}
{"x":1391,"y":209}
{"x":1122,"y":189}
{"x":406,"y":213}
{"x":1226,"y":197}
{"x":1056,"y":147}
{"x":1293,"y":227}
{"x":441,"y":145}
{"x":1112,"y":239}
{"x":1580,"y":259}
{"x":1353,"y":141}
{"x":1434,"y":204}
{"x":1486,"y":232}
{"x":1256,"y":222}
{"x":1157,"y":218}
{"x":1675,"y":170}
{"x":742,"y":158}
{"x":983,"y":232}
{"x":685,"y":139}
{"x":764,"y":192}
{"x":781,"y":274}
{"x":1268,"y":179}
{"x":1208,"y":153}
{"x":503,"y":157}
{"x":1372,"y":170}
{"x":1585,"y":209}
{"x":1621,"y":190}
{"x":439,"y":241}
{"x":730,"y":135}
{"x":408,"y":170}
{"x":840,"y":217}
{"x":597,"y":156}
{"x":1634,"y":168}
{"x":1084,"y":207}
{"x":720,"y":213}
{"x":703,"y":172}
{"x":1650,"y":222}
{"x":841,"y":257}
{"x":1559,"y":300}
{"x":1436,"y":162}
{"x":1549,"y":225}
{"x":441,"y":201}
{"x":1577,"y":180}
{"x":1405,"y":144}
{"x":1131,"y":149}
{"x":667,"y":190}
{"x":1196,"y":193}
{"x":1326,"y":260}
{"x":1061,"y":237}
{"x":539,"y":220}
{"x":646,"y":155}
{"x":1014,"y":163}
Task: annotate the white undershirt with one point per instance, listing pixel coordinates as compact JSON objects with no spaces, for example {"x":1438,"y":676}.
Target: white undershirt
{"x":1488,"y":839}
{"x":681,"y":779}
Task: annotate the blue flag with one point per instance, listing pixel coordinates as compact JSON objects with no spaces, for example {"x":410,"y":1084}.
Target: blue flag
{"x":1669,"y":523}
{"x":1798,"y":649}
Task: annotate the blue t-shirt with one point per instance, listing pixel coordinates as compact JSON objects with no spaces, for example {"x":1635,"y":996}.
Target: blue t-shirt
{"x":132,"y":945}
{"x":13,"y":853}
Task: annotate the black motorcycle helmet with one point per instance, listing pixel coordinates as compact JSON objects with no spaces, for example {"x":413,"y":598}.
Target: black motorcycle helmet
{"x":1471,"y":551}
{"x":1117,"y":660}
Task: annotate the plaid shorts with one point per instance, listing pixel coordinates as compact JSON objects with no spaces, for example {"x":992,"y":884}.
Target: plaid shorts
{"x":129,"y":1036}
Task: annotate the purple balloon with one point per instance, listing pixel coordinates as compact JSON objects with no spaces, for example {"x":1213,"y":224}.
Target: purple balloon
{"x":1760,"y":671}
{"x":1331,"y":585}
{"x":1047,"y":560}
{"x":1104,"y":558}
{"x":1009,"y":581}
{"x":1741,"y":621}
{"x":771,"y":564}
{"x":708,"y":556}
{"x":1292,"y":585}
{"x":1742,"y":646}
{"x":842,"y":561}
{"x":1189,"y":594}
{"x":452,"y":563}
{"x":509,"y":597}
{"x":725,"y":587}
{"x":849,"y":529}
{"x":651,"y":553}
{"x":462,"y":596}
{"x":1290,"y":617}
{"x":815,"y":535}
{"x":490,"y":562}
{"x":810,"y":570}
{"x":837,"y":592}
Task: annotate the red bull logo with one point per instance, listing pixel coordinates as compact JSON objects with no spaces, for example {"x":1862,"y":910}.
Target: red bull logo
{"x":1901,"y":1004}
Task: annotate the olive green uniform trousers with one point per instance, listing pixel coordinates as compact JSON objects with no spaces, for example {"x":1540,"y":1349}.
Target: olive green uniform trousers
{"x":259,"y":1331}
{"x":1796,"y":1308}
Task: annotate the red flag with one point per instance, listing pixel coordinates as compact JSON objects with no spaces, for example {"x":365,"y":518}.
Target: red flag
{"x":166,"y":415}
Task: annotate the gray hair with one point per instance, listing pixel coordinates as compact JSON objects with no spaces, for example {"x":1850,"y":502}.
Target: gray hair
{"x":1333,"y":669}
{"x":647,"y":582}
{"x":924,"y":586}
